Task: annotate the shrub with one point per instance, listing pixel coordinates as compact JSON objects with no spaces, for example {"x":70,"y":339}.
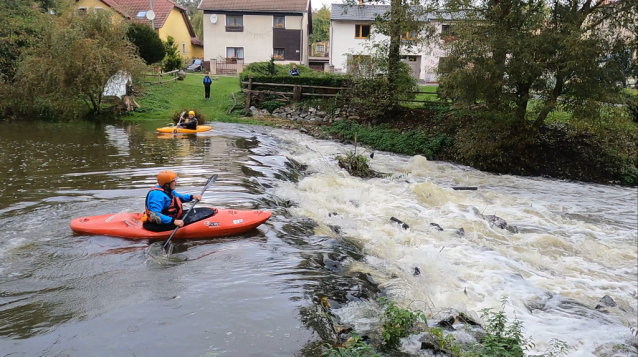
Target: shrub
{"x":386,"y":139}
{"x":201,"y":117}
{"x":147,"y":41}
{"x":265,"y":73}
{"x":397,"y":323}
{"x":172,"y":60}
{"x":354,"y":347}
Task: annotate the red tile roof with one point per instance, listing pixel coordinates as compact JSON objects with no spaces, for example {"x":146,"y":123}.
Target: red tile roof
{"x":162,"y":9}
{"x":256,"y":5}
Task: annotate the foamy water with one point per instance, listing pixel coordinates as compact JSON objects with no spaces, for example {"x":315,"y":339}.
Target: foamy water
{"x":577,"y":242}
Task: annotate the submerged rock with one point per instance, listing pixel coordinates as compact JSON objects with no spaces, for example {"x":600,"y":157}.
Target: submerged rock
{"x":436,"y":227}
{"x":606,"y":301}
{"x":460,"y":232}
{"x":403,"y":225}
{"x":416,"y":271}
{"x":496,"y":221}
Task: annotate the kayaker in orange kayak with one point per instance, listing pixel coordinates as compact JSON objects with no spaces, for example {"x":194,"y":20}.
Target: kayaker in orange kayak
{"x":188,"y":123}
{"x":163,"y":205}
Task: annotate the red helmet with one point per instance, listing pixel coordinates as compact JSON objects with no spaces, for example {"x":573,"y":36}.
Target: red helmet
{"x":165,"y":177}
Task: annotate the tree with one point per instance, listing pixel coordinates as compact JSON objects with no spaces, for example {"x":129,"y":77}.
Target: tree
{"x":563,"y":53}
{"x":404,"y":16}
{"x":74,"y":61}
{"x":197,"y":20}
{"x":147,"y":41}
{"x":320,"y":25}
{"x":190,"y":5}
{"x":172,"y":60}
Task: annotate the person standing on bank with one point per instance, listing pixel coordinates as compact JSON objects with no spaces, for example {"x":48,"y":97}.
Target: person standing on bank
{"x":163,"y":211}
{"x":207,"y":83}
{"x":294,"y":71}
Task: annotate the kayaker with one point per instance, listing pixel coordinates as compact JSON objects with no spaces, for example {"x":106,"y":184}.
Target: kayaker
{"x":163,"y":205}
{"x":188,"y":123}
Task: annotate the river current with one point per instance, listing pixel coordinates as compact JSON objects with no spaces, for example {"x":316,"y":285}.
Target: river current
{"x":259,"y":294}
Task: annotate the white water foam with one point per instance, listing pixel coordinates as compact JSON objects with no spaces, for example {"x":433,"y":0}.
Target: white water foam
{"x":577,"y":242}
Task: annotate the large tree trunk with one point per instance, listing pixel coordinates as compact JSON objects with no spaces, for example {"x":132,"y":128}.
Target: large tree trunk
{"x":394,"y":52}
{"x":551,"y":103}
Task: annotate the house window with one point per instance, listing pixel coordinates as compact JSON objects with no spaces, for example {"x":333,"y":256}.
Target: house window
{"x":447,"y":31}
{"x":279,"y":21}
{"x":234,"y":23}
{"x":141,"y":14}
{"x":82,"y":10}
{"x":409,"y":36}
{"x":184,"y":47}
{"x":235,"y":53}
{"x":278,"y":54}
{"x":361,"y":31}
{"x":321,"y":48}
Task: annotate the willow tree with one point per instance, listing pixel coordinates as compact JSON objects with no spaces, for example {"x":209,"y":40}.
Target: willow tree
{"x":74,"y":61}
{"x":569,"y":54}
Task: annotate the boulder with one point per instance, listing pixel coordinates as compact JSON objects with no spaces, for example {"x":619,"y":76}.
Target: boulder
{"x":181,"y":75}
{"x":606,"y":301}
{"x":460,"y":232}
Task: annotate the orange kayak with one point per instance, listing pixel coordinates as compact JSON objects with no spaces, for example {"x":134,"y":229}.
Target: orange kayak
{"x":226,"y":222}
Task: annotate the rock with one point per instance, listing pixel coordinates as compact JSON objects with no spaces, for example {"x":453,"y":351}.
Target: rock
{"x":372,"y":155}
{"x":403,"y":225}
{"x":427,"y":345}
{"x":337,"y":111}
{"x":416,"y":271}
{"x":460,"y":232}
{"x":606,"y":301}
{"x":354,"y":117}
{"x":436,"y":227}
{"x":332,"y":265}
{"x":277,"y":111}
{"x":321,"y":114}
{"x":337,"y":119}
{"x":254,"y":110}
{"x":311,"y":110}
{"x":447,"y":323}
{"x":181,"y":75}
{"x":512,"y":229}
{"x":336,"y":229}
{"x":496,"y":221}
{"x":304,"y":130}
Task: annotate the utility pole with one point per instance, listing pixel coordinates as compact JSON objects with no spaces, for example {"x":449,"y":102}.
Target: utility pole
{"x":153,"y":20}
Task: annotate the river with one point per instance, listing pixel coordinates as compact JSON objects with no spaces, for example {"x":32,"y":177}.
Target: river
{"x":259,"y":294}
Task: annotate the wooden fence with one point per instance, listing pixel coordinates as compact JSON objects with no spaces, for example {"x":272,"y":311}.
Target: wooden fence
{"x":161,"y":74}
{"x":296,"y":93}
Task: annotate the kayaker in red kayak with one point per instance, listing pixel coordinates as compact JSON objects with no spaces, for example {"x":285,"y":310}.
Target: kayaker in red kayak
{"x":163,"y":205}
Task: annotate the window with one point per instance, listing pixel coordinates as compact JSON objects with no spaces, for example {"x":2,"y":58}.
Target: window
{"x":184,"y":47}
{"x":361,"y":31}
{"x":279,"y":21}
{"x":141,"y":14}
{"x":409,"y":36}
{"x":235,"y":52}
{"x":83,"y":10}
{"x":278,"y":53}
{"x":321,"y":48}
{"x":234,"y":23}
{"x":447,"y":31}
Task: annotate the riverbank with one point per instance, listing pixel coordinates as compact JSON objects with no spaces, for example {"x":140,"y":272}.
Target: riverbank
{"x":601,"y":152}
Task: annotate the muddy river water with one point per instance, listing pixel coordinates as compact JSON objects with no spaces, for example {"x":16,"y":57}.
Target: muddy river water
{"x":259,"y":294}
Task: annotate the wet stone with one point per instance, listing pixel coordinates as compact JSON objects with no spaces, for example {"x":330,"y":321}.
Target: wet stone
{"x":496,"y":221}
{"x":416,"y":271}
{"x":460,"y":232}
{"x":606,"y":301}
{"x":436,"y":227}
{"x":403,"y":225}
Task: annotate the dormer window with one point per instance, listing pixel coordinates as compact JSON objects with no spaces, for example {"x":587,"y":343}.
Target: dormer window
{"x":141,"y":14}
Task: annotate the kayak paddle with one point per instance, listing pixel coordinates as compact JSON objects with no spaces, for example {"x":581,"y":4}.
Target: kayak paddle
{"x":209,"y":183}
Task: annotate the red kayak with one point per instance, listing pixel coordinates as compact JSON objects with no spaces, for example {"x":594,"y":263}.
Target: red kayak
{"x":128,"y":225}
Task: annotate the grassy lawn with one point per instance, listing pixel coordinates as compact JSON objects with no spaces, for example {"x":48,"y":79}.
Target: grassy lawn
{"x":161,"y":101}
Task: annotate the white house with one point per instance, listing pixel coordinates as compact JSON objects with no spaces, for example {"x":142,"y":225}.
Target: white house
{"x":352,"y":32}
{"x":239,"y":32}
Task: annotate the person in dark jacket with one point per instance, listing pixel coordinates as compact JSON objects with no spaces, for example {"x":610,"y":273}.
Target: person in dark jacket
{"x":207,"y":83}
{"x":163,"y":211}
{"x":294,"y":71}
{"x":188,"y":123}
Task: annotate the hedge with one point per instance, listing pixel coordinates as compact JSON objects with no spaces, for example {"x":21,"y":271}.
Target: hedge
{"x":260,"y":74}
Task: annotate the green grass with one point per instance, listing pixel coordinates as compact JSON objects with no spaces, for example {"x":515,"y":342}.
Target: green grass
{"x":160,"y":101}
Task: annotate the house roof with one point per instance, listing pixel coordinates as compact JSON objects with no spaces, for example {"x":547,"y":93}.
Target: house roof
{"x":162,"y":9}
{"x":342,"y":12}
{"x":115,"y":6}
{"x":256,"y":5}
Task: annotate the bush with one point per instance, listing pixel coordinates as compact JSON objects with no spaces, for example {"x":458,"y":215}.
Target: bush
{"x":148,"y":42}
{"x":398,"y":323}
{"x":354,"y":347}
{"x":201,"y":118}
{"x":172,"y":60}
{"x":386,"y":139}
{"x":263,"y":72}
